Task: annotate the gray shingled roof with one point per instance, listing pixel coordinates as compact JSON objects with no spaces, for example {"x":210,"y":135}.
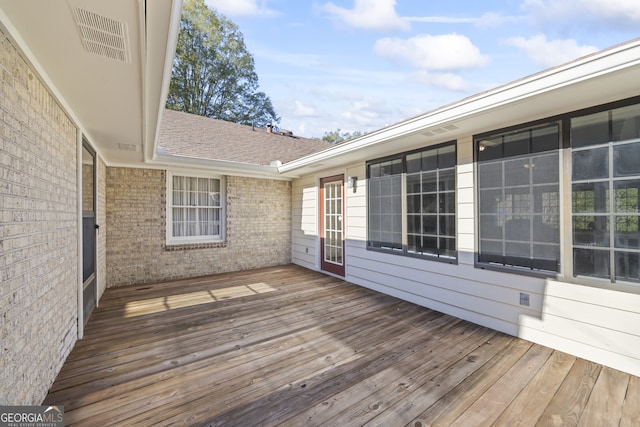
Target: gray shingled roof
{"x":184,"y":134}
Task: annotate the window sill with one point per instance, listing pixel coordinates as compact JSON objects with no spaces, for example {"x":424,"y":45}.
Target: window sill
{"x":522,"y":271}
{"x":190,"y":246}
{"x":425,"y":257}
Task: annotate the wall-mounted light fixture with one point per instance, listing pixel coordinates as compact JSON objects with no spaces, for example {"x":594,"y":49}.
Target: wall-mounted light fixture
{"x":352,"y":182}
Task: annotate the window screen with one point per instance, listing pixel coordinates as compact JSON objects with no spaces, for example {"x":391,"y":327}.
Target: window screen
{"x":519,"y":198}
{"x":412,"y":203}
{"x":385,"y":204}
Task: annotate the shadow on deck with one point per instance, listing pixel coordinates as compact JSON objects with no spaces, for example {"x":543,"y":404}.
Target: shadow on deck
{"x":287,"y":345}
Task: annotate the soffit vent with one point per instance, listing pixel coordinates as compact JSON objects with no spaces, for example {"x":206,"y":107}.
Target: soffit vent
{"x":102,"y":35}
{"x":127,"y":147}
{"x":440,"y":130}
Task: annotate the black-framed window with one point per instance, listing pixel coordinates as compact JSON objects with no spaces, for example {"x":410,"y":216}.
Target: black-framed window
{"x":519,"y":198}
{"x":605,"y":194}
{"x":431,"y":202}
{"x":385,"y":204}
{"x":412,"y":203}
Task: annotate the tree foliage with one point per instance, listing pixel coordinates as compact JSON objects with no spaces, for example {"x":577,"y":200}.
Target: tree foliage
{"x":213,"y":73}
{"x":337,"y":137}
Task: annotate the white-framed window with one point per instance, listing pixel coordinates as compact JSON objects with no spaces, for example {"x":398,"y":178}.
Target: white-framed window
{"x":195,"y":208}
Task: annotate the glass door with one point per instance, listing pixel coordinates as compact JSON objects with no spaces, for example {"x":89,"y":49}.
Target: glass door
{"x":331,"y":224}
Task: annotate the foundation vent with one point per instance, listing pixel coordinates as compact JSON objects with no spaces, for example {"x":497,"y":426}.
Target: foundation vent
{"x":102,"y":35}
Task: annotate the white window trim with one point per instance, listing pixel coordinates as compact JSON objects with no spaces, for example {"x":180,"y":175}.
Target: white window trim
{"x":170,"y":239}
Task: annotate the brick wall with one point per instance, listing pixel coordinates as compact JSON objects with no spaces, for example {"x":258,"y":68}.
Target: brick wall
{"x":38,"y":233}
{"x":101,"y":220}
{"x":258,"y":231}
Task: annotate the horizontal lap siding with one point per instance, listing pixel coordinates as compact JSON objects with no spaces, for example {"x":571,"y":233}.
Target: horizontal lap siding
{"x":305,"y":223}
{"x":596,"y":324}
{"x":356,"y":215}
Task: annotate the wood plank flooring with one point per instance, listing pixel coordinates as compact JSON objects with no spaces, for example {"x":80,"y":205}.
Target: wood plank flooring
{"x":289,"y":346}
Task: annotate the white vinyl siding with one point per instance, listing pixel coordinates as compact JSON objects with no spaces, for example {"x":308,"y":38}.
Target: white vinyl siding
{"x":598,"y":323}
{"x":305,"y":241}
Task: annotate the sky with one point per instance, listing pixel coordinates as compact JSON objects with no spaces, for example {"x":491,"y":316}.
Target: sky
{"x":360,"y":65}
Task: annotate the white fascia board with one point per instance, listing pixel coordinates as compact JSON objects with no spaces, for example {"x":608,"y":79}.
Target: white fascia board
{"x":223,"y":167}
{"x":597,"y":64}
{"x":154,"y":101}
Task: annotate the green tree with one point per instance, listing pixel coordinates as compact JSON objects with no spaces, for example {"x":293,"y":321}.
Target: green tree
{"x":337,"y":137}
{"x":213,"y":73}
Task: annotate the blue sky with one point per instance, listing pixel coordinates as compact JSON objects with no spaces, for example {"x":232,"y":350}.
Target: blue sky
{"x":359,"y":65}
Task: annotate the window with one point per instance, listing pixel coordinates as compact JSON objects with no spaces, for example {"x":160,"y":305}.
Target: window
{"x":605,"y":194}
{"x":194,"y":209}
{"x":385,"y":204}
{"x":431,"y":202}
{"x":519,"y":198}
{"x":412,"y":202}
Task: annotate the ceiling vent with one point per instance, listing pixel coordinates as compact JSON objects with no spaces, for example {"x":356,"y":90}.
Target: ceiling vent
{"x":127,"y":147}
{"x":102,"y":36}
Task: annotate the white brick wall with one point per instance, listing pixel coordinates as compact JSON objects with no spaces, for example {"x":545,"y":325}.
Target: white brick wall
{"x":38,"y":233}
{"x":258,"y":216}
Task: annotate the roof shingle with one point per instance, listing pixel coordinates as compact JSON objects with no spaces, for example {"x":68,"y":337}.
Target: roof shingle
{"x":190,"y":135}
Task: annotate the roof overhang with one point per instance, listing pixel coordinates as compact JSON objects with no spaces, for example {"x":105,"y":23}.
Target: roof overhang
{"x":116,"y":101}
{"x":606,"y":76}
{"x":223,"y":167}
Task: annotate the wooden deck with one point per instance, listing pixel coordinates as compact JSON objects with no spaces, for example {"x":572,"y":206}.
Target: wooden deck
{"x":294,"y":347}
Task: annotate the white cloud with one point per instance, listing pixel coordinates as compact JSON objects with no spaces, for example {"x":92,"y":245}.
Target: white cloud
{"x":362,"y":112}
{"x":302,"y":110}
{"x":240,"y":7}
{"x":494,"y":19}
{"x":549,"y":53}
{"x":370,"y":14}
{"x":427,"y":52}
{"x":612,"y":13}
{"x":448,"y":81}
{"x":441,"y":20}
{"x":486,"y":20}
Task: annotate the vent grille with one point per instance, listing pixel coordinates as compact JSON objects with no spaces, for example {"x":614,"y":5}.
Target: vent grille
{"x":440,"y":130}
{"x":127,"y":147}
{"x":102,"y":36}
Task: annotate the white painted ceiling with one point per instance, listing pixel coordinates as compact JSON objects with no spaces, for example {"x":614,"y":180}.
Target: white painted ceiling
{"x":116,"y":104}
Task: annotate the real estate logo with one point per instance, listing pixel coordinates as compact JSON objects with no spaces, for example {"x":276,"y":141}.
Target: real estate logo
{"x":31,"y":416}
